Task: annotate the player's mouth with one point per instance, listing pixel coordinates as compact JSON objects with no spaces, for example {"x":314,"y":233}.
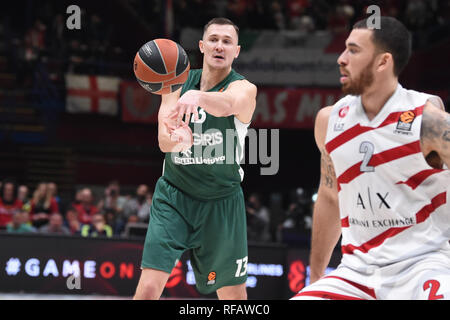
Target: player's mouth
{"x":219,"y":57}
{"x":344,"y":77}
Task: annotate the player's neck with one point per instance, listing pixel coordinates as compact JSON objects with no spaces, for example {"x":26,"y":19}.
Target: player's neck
{"x":377,"y":95}
{"x":211,"y":77}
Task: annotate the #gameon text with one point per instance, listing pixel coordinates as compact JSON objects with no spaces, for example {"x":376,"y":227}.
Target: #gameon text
{"x":227,"y":309}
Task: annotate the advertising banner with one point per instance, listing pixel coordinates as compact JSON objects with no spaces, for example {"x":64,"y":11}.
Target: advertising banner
{"x":291,"y":108}
{"x":75,"y":265}
{"x":138,"y":105}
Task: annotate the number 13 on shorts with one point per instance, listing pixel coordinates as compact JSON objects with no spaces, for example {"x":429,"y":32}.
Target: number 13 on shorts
{"x":241,"y":269}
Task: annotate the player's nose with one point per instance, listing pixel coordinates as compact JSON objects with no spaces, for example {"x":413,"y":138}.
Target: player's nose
{"x":219,"y":46}
{"x":342,"y":59}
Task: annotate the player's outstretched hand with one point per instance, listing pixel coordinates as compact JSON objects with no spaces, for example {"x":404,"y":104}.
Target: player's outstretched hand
{"x":186,"y":106}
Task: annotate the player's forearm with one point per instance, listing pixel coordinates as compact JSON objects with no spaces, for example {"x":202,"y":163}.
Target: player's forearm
{"x":326,"y":230}
{"x":218,"y":104}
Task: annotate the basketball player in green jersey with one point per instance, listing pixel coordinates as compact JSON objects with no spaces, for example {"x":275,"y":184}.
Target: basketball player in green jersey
{"x":198,"y":204}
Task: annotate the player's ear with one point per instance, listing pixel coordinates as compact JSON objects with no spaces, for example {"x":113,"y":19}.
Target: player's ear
{"x":200,"y":45}
{"x":385,"y":61}
{"x":238,"y":50}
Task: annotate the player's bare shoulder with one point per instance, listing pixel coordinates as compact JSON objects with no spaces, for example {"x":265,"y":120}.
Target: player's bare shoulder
{"x":435,"y":132}
{"x":244,"y":94}
{"x":244,"y":87}
{"x":320,"y":126}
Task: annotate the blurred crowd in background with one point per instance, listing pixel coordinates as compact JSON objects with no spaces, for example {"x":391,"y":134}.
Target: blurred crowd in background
{"x":95,"y":48}
{"x":115,"y":214}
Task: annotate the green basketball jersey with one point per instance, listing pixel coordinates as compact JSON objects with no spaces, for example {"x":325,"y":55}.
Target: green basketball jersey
{"x":210,"y":169}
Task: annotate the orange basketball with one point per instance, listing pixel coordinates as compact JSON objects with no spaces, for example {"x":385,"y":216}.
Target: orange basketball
{"x":161,"y":66}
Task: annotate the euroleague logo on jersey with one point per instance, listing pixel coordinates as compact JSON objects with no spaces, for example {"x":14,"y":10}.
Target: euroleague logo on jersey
{"x":211,"y":278}
{"x":405,"y":122}
{"x":343,"y":112}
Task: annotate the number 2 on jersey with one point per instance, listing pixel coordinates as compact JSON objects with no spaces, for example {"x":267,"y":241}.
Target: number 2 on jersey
{"x":367,"y":148}
{"x":434,"y":286}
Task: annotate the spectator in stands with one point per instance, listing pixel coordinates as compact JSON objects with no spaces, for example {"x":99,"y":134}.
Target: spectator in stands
{"x":55,"y":225}
{"x":416,"y":14}
{"x":72,"y":222}
{"x":58,"y":35}
{"x":98,"y":227}
{"x":9,"y":203}
{"x":237,"y":11}
{"x":36,"y":35}
{"x":20,"y":223}
{"x":276,"y":215}
{"x":339,"y":21}
{"x":298,"y":18}
{"x":77,"y":55}
{"x":85,"y":208}
{"x":139,"y":206}
{"x":23,"y":195}
{"x":112,"y":199}
{"x":42,"y":205}
{"x":116,"y":223}
{"x":53,"y":190}
{"x":278,"y":16}
{"x":296,"y":226}
{"x":258,"y":219}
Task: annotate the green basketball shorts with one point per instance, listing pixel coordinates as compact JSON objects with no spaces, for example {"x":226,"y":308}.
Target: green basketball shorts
{"x":214,"y":231}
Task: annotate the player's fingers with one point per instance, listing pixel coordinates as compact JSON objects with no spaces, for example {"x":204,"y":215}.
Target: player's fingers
{"x":187,"y":118}
{"x":180,"y":115}
{"x":195,"y":113}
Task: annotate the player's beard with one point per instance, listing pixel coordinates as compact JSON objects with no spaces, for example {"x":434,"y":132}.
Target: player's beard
{"x":357,"y":86}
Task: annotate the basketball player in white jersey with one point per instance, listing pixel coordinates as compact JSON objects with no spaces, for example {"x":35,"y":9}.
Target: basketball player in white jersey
{"x":385,"y":183}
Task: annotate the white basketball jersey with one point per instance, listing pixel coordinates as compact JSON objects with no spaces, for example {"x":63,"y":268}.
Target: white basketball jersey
{"x":393,"y":205}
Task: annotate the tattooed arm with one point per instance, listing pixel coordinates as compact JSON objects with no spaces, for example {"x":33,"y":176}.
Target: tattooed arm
{"x":435,"y":136}
{"x":326,"y":228}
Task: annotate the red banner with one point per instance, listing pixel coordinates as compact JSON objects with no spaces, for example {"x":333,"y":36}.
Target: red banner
{"x":291,"y":108}
{"x":294,"y":108}
{"x":138,"y":105}
{"x":275,"y":107}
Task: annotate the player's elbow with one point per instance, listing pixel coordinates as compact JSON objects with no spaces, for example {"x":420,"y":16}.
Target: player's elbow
{"x":328,"y":196}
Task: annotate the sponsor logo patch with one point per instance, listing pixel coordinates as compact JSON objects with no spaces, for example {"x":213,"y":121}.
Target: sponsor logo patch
{"x":211,"y":278}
